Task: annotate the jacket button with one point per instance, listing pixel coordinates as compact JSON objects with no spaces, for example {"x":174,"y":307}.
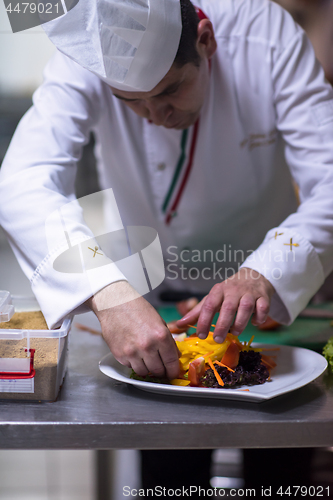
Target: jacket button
{"x":161,"y":166}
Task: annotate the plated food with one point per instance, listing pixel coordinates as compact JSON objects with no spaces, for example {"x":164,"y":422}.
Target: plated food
{"x":289,"y":368}
{"x":205,"y":363}
{"x":296,"y":367}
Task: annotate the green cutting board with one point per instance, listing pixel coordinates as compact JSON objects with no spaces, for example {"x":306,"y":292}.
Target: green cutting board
{"x":304,"y":332}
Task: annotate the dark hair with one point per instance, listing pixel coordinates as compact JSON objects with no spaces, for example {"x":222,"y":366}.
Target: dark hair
{"x":187,"y":52}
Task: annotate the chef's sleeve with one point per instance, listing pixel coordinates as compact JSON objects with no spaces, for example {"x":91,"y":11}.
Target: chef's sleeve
{"x":297,"y":256}
{"x":44,"y":222}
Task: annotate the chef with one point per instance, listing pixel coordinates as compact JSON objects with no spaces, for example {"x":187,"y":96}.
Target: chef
{"x":204,"y":123}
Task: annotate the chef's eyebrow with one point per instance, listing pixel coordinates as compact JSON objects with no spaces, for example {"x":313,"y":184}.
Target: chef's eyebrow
{"x":168,"y":90}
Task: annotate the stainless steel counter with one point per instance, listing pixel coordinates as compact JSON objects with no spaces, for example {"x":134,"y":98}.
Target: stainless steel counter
{"x":94,"y":412}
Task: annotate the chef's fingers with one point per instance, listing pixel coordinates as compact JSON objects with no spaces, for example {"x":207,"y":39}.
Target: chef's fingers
{"x":160,"y":353}
{"x":261,"y":310}
{"x":170,"y":358}
{"x":155,"y":364}
{"x":139,"y":367}
{"x":226,"y":317}
{"x":191,"y":317}
{"x":209,"y":308}
{"x":147,"y":359}
{"x":245,"y":309}
{"x":173,"y":328}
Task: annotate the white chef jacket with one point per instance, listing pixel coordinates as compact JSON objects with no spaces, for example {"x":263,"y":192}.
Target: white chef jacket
{"x":267,"y":99}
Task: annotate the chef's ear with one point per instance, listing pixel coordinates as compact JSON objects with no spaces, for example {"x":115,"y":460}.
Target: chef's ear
{"x":206,"y":43}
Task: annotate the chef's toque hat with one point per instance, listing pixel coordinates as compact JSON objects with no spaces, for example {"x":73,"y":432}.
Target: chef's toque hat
{"x":130,"y":44}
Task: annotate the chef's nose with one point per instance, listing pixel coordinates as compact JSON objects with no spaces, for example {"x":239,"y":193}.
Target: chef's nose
{"x":159,"y":111}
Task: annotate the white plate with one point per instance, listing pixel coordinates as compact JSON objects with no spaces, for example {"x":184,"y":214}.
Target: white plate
{"x":296,"y":367}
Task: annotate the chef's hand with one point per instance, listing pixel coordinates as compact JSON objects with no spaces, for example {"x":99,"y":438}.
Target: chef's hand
{"x":135,"y":333}
{"x":245,"y":293}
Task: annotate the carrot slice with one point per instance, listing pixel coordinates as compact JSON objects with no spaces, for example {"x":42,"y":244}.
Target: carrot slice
{"x":250,"y":341}
{"x":218,"y":378}
{"x":190,"y":337}
{"x":87,"y":329}
{"x":225,"y":366}
{"x":268,"y":366}
{"x":267,"y":360}
{"x":208,"y":354}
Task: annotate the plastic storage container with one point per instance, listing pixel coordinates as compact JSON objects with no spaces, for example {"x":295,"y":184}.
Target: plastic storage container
{"x":32,"y":362}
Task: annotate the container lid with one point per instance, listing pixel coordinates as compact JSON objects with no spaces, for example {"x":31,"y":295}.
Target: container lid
{"x":6,"y":307}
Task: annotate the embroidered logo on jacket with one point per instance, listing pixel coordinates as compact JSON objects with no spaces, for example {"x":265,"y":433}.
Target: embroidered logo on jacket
{"x":257,"y":140}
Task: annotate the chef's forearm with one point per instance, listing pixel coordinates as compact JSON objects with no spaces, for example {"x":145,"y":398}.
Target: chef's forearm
{"x":112,"y":295}
{"x":37,"y":181}
{"x":291,"y":264}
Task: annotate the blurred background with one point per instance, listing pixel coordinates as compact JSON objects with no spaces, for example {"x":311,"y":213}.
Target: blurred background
{"x":70,"y":475}
{"x":316,"y":18}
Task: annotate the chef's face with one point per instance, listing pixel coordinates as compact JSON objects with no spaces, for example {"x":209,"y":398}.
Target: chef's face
{"x":177,"y":100}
